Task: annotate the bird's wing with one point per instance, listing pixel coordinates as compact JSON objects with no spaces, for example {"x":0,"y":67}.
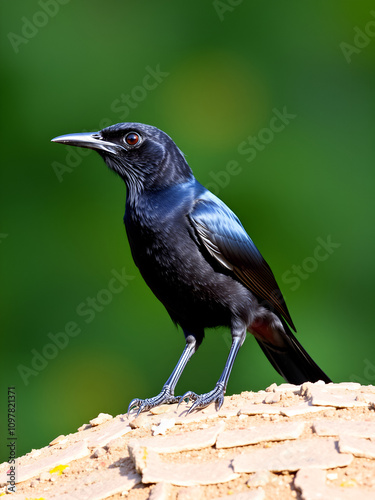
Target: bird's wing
{"x":224,"y":237}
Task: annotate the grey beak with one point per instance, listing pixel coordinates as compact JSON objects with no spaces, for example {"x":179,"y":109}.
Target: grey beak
{"x":90,"y":141}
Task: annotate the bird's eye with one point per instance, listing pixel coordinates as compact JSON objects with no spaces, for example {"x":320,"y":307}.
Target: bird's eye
{"x":132,"y":138}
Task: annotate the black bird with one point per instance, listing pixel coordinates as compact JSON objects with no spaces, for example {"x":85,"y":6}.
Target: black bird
{"x":197,"y":258}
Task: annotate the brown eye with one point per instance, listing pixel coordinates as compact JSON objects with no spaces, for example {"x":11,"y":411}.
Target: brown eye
{"x":132,"y":138}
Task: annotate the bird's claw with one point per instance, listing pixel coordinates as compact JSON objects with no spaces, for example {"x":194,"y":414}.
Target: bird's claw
{"x":188,"y":396}
{"x":165,"y":397}
{"x":135,"y":403}
{"x":215,"y":396}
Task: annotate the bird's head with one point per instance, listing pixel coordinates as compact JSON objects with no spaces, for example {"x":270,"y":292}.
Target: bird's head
{"x":142,"y":155}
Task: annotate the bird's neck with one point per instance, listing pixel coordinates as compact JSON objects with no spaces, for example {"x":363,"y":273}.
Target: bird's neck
{"x":160,"y":200}
{"x":167,"y":175}
{"x":170,"y":171}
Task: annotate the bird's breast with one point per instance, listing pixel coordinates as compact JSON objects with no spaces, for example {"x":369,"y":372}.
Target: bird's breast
{"x":158,"y":229}
{"x":182,"y":275}
{"x":160,"y":245}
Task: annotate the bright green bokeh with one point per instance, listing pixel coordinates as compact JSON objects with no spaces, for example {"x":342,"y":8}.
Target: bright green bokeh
{"x":221,"y":81}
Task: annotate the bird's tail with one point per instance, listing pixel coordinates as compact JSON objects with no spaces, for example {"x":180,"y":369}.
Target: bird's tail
{"x":292,"y":361}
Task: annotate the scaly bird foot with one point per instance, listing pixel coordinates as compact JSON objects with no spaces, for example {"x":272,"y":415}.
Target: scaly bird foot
{"x":215,"y":396}
{"x":165,"y":397}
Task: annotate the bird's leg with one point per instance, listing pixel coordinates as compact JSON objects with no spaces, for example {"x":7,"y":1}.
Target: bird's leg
{"x":167,"y":393}
{"x":217,"y":394}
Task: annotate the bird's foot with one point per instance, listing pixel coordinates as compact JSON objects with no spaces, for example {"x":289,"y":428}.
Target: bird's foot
{"x":165,"y":397}
{"x":215,"y":396}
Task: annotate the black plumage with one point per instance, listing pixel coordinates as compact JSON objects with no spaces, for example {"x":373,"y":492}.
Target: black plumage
{"x":196,"y":257}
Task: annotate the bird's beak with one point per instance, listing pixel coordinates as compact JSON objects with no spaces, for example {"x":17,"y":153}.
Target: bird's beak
{"x":89,"y":140}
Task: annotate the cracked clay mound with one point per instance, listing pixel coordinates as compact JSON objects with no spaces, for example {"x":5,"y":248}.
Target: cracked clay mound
{"x":313,"y":441}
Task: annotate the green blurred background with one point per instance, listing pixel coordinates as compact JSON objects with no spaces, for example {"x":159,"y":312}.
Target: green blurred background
{"x":223,"y":70}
